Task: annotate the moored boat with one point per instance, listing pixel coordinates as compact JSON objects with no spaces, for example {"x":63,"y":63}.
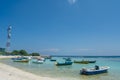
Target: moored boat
{"x":52,"y":59}
{"x":64,"y":63}
{"x":92,"y":61}
{"x":84,"y":61}
{"x":81,"y":62}
{"x":92,"y":71}
{"x":21,"y":60}
{"x":67,"y":59}
{"x":38,"y":61}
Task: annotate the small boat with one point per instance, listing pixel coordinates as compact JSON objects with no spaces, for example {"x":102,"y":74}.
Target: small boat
{"x":21,"y":60}
{"x":92,"y":61}
{"x":92,"y":71}
{"x":42,"y":59}
{"x":52,"y":59}
{"x":84,"y":61}
{"x":63,"y":64}
{"x":16,"y":58}
{"x":38,"y":62}
{"x":67,"y":59}
{"x":81,"y":62}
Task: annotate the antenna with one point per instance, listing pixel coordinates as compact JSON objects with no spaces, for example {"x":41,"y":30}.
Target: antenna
{"x":8,"y":39}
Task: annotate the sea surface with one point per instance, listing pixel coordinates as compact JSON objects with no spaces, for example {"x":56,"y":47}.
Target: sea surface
{"x":71,"y":72}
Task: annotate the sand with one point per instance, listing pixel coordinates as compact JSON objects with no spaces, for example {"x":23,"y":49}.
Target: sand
{"x":11,"y":73}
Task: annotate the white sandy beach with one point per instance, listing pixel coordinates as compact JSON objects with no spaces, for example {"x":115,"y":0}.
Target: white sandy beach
{"x":10,"y":73}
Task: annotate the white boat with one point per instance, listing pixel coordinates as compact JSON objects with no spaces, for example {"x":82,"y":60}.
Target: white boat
{"x":92,"y":71}
{"x":38,"y":61}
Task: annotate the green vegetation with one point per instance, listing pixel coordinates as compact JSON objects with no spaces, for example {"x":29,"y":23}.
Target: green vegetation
{"x":15,"y":52}
{"x":23,"y":52}
{"x":20,"y":52}
{"x":2,"y":53}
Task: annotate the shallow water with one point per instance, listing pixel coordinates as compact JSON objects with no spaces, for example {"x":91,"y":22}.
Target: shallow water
{"x":71,"y":72}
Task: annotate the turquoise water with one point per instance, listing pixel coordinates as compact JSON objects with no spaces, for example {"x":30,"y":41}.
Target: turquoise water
{"x":71,"y":72}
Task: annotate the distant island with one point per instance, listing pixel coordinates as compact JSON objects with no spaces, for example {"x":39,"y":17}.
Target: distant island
{"x":19,"y":52}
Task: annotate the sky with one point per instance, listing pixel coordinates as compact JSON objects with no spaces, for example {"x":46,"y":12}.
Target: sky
{"x":62,"y":27}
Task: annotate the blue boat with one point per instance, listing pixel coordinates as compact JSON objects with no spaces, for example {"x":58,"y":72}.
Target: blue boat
{"x":63,"y":64}
{"x":93,"y":71}
{"x":52,"y":59}
{"x":67,"y":59}
{"x":92,"y":61}
{"x":20,"y":59}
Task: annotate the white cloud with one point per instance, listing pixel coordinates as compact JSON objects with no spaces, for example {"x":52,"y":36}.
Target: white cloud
{"x":72,"y":1}
{"x":64,"y":50}
{"x":51,"y":50}
{"x":83,"y":49}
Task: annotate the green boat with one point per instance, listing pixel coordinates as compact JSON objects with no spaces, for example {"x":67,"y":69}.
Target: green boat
{"x":84,"y":61}
{"x":81,"y":62}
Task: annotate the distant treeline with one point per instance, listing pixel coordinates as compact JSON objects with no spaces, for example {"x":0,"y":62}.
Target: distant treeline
{"x":20,"y":52}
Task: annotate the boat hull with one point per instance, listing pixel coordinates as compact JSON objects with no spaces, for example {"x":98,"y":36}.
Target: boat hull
{"x":38,"y":62}
{"x":63,"y":64}
{"x":93,"y":72}
{"x":81,"y":62}
{"x":21,"y":60}
{"x":52,"y":60}
{"x":84,"y":62}
{"x":92,"y":61}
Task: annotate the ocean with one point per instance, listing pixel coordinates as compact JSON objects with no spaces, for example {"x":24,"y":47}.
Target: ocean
{"x":71,"y":72}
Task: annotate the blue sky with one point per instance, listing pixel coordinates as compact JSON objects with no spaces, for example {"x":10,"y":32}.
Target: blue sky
{"x":62,"y":27}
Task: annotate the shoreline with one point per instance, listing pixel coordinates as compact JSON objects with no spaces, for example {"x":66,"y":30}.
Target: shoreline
{"x":2,"y":57}
{"x":11,"y":73}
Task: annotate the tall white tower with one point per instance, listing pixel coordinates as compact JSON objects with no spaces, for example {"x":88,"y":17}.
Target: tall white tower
{"x":8,"y":39}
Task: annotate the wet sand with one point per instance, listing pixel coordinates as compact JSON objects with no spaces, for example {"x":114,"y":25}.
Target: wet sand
{"x":11,"y":73}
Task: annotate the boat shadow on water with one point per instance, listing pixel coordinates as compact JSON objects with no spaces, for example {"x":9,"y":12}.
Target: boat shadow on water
{"x":63,"y":68}
{"x":67,"y":67}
